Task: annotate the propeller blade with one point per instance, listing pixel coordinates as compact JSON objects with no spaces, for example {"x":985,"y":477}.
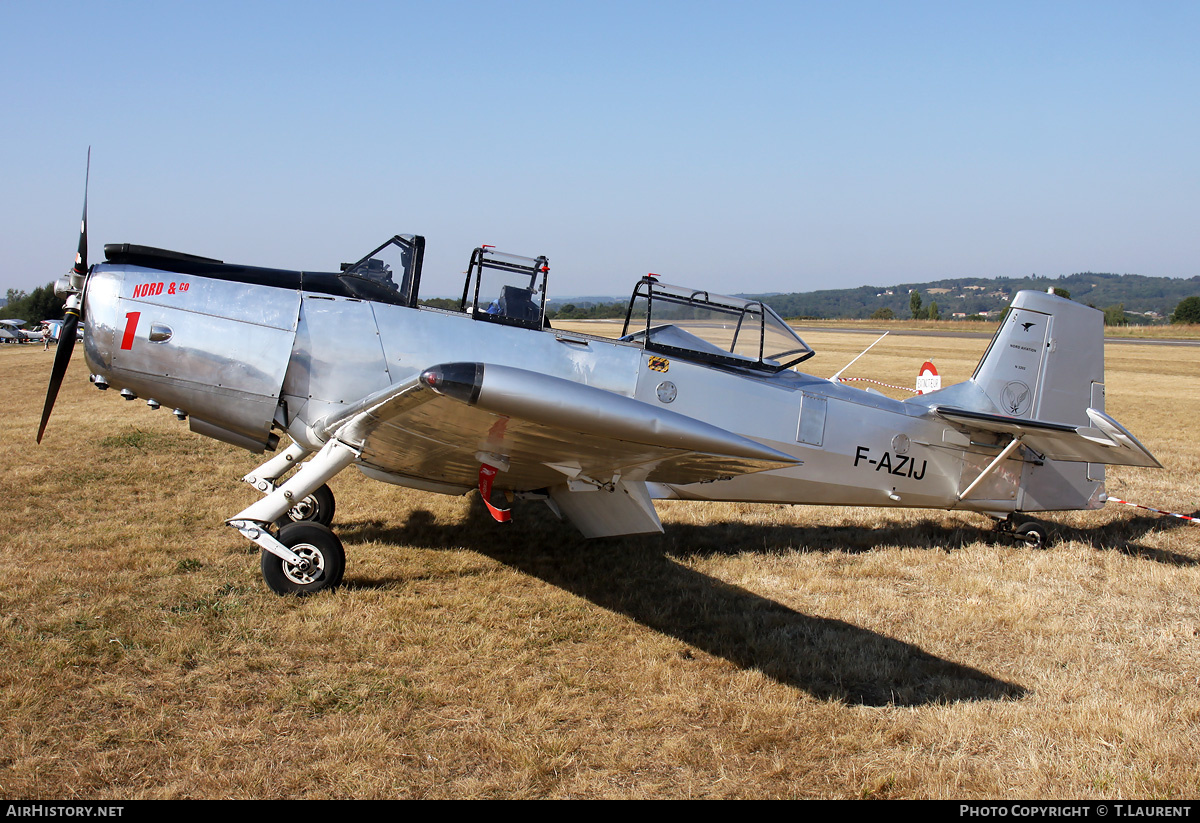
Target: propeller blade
{"x":74,"y":310}
{"x":62,"y":359}
{"x":81,"y":265}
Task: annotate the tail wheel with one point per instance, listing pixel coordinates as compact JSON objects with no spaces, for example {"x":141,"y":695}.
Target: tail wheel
{"x":318,"y":507}
{"x":1034,"y":534}
{"x":322,"y":560}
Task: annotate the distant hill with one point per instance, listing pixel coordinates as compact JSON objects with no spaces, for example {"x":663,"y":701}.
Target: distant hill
{"x":1151,"y":297}
{"x":1148,"y":299}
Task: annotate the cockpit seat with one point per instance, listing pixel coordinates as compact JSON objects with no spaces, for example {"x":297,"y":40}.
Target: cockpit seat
{"x":517,"y":303}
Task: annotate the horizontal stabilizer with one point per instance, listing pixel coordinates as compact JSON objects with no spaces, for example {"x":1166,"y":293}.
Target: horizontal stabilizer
{"x":1105,"y":441}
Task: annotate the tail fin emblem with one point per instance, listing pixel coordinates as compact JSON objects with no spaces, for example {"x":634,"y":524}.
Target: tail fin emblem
{"x":1016,"y":398}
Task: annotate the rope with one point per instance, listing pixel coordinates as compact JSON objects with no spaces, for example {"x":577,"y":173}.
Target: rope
{"x":877,"y":383}
{"x":1156,"y":511}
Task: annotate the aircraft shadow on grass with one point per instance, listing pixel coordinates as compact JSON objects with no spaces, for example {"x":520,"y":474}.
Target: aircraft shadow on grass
{"x":638,"y":577}
{"x":1122,"y":535}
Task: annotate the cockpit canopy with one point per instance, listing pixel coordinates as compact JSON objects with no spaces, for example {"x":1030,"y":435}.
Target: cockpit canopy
{"x":713,"y":328}
{"x":506,"y":288}
{"x":499,"y":288}
{"x":401,"y":255}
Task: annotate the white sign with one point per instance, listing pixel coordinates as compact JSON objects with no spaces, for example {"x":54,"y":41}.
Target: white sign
{"x":928,"y":380}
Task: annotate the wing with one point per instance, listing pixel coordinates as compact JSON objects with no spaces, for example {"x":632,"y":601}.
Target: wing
{"x":1105,"y":441}
{"x":542,"y":432}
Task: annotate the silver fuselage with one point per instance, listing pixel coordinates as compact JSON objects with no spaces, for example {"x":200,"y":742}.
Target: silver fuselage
{"x":243,"y":359}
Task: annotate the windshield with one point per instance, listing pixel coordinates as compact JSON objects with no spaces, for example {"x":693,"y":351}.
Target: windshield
{"x":391,"y":273}
{"x":711,"y":327}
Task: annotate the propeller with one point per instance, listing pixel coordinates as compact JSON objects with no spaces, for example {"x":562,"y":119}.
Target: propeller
{"x":73,"y":312}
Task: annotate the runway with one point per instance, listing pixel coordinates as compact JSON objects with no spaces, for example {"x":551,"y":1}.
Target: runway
{"x":978,"y":335}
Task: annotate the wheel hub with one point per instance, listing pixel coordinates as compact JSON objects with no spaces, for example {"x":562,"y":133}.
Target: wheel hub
{"x":303,"y":510}
{"x":310,"y":568}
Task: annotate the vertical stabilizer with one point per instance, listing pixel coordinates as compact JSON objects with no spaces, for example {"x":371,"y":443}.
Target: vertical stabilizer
{"x":1046,"y":361}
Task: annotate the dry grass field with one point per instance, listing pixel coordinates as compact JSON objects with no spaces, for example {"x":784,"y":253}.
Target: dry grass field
{"x":751,"y":651}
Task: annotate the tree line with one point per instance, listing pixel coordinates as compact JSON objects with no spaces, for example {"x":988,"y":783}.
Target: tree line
{"x":1135,"y":294}
{"x":40,"y":304}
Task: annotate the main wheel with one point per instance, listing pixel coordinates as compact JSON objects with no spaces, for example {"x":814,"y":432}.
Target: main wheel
{"x":1035,"y":535}
{"x":318,"y":507}
{"x":323,"y":560}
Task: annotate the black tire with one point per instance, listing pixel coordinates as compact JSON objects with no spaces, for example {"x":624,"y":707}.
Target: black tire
{"x":318,"y":507}
{"x":317,"y":545}
{"x":1035,"y":535}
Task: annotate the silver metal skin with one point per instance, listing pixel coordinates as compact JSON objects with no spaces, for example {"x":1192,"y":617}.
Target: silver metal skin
{"x":224,"y":363}
{"x":426,"y":398}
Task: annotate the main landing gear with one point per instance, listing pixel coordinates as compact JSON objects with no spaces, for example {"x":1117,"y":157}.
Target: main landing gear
{"x":303,"y":556}
{"x":321,"y":564}
{"x":1032,"y":533}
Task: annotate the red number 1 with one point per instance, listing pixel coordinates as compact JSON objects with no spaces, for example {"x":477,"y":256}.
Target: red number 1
{"x":131,"y":321}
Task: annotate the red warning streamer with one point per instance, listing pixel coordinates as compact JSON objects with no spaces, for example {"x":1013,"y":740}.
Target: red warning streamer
{"x":486,"y":475}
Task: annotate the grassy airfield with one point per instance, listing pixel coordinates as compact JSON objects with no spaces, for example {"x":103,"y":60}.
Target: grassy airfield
{"x":751,"y":651}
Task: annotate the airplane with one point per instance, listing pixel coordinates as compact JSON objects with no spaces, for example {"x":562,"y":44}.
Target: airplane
{"x":699,"y":399}
{"x":10,"y":330}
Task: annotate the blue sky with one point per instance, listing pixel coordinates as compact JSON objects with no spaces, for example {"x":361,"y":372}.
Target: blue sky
{"x":753,"y":146}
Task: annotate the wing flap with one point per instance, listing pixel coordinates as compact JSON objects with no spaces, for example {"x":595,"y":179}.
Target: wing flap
{"x":627,"y":509}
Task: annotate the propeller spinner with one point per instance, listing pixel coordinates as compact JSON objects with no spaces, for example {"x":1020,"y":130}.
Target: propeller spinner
{"x":72,"y":315}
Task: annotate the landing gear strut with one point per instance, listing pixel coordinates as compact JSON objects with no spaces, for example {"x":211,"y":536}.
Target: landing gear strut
{"x":304,"y":556}
{"x":317,"y":507}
